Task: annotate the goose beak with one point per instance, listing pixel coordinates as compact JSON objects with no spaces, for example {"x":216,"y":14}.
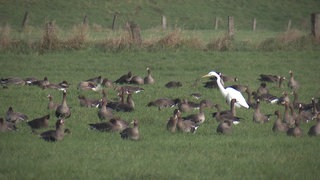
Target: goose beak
{"x":207,"y":75}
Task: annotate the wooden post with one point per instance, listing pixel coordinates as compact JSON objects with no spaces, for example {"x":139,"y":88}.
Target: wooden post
{"x":254,"y":24}
{"x":25,"y":20}
{"x":216,"y":23}
{"x":289,"y":25}
{"x":114,"y":20}
{"x":315,"y":25}
{"x":230,"y":26}
{"x":85,"y":20}
{"x":164,"y":22}
{"x":135,"y":33}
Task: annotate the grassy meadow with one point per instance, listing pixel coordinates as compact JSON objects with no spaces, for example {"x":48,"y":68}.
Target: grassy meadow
{"x":186,"y":51}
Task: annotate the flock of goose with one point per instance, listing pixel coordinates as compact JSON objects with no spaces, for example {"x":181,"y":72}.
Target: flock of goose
{"x":288,"y":122}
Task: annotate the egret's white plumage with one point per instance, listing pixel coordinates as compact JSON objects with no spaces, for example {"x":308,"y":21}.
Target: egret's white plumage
{"x":229,"y":93}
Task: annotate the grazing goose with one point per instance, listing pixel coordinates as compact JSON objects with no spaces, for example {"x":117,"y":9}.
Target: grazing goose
{"x":86,"y":102}
{"x":126,"y":78}
{"x":54,"y":135}
{"x":113,"y":125}
{"x":173,"y":84}
{"x":137,"y":80}
{"x":287,"y":117}
{"x":41,"y":83}
{"x":63,"y":110}
{"x":249,"y":99}
{"x":97,"y":80}
{"x":284,"y":98}
{"x":293,"y":84}
{"x":196,"y":95}
{"x":229,"y":115}
{"x":6,"y":126}
{"x":272,"y":79}
{"x":186,"y":106}
{"x":305,"y":116}
{"x":164,"y":103}
{"x":42,"y":122}
{"x":186,"y":126}
{"x":279,"y":125}
{"x":123,"y":106}
{"x":269,"y":98}
{"x":262,"y":89}
{"x":104,"y":112}
{"x":172,"y":122}
{"x":149,"y":79}
{"x":198,"y":118}
{"x":225,"y":127}
{"x":64,"y":85}
{"x":12,"y":80}
{"x":315,"y":129}
{"x":105,"y":82}
{"x":295,"y":131}
{"x":131,"y":133}
{"x":228,"y":78}
{"x":15,"y":117}
{"x":258,"y":116}
{"x":129,"y":89}
{"x":229,"y":93}
{"x":51,"y":105}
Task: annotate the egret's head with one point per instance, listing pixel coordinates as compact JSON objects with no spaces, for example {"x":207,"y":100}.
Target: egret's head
{"x":211,"y":74}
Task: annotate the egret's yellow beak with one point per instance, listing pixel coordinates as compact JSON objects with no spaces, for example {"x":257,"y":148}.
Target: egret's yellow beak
{"x":207,"y":75}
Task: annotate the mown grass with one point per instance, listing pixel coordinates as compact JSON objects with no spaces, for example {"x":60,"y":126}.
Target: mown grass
{"x":252,"y":151}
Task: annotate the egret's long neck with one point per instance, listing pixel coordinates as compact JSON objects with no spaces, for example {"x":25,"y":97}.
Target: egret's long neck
{"x":222,"y":89}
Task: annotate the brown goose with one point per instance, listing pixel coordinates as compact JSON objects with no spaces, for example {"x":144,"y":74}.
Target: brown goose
{"x":15,"y":117}
{"x":41,"y":83}
{"x":258,"y":116}
{"x":6,"y":126}
{"x":269,"y":78}
{"x":229,"y":115}
{"x":60,"y":86}
{"x":127,"y":106}
{"x":198,"y":118}
{"x":54,"y":135}
{"x":113,"y":125}
{"x":126,"y":78}
{"x":305,"y":116}
{"x":51,"y":105}
{"x":173,"y":84}
{"x":239,"y":87}
{"x":129,"y":89}
{"x":315,"y":129}
{"x":137,"y":80}
{"x":185,"y":105}
{"x":63,"y":110}
{"x":149,"y":79}
{"x":278,"y":125}
{"x":12,"y":80}
{"x":226,"y":78}
{"x":164,"y":103}
{"x":186,"y":126}
{"x":104,"y":112}
{"x":249,"y":99}
{"x":86,"y":102}
{"x":295,"y":131}
{"x":293,"y":84}
{"x":262,"y":89}
{"x":172,"y":122}
{"x":225,"y":127}
{"x":42,"y":122}
{"x":131,"y":133}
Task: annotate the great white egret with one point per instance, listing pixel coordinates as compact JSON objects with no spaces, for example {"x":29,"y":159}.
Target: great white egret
{"x":229,"y":93}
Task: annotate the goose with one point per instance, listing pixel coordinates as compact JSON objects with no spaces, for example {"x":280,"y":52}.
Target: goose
{"x":124,"y":79}
{"x":249,"y":99}
{"x":239,"y":87}
{"x":186,"y":106}
{"x":226,"y":78}
{"x":96,"y":80}
{"x":60,"y":86}
{"x":198,"y":118}
{"x":86,"y":102}
{"x":129,"y":89}
{"x":229,"y":93}
{"x":279,"y":125}
{"x":293,"y":84}
{"x":164,"y":103}
{"x":305,"y":116}
{"x":104,"y":112}
{"x":54,"y":135}
{"x":137,"y":80}
{"x":149,"y":79}
{"x":186,"y":126}
{"x":63,"y":110}
{"x":6,"y":126}
{"x":41,"y":83}
{"x":41,"y":122}
{"x":89,"y":86}
{"x":295,"y":130}
{"x":225,"y":127}
{"x":262,"y":89}
{"x":269,"y":78}
{"x":113,"y":125}
{"x":127,"y":106}
{"x":196,"y":95}
{"x":315,"y":129}
{"x":258,"y":116}
{"x":269,"y":98}
{"x":284,"y":98}
{"x":131,"y":133}
{"x":51,"y":105}
{"x":15,"y":117}
{"x":172,"y":122}
{"x":173,"y":84}
{"x":12,"y":80}
{"x":287,"y":117}
{"x":229,"y":115}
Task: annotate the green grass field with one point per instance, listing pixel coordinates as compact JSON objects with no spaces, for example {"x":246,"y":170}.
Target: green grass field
{"x":252,"y":151}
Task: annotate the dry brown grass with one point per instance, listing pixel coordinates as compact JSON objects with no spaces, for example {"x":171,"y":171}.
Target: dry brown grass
{"x":223,"y":43}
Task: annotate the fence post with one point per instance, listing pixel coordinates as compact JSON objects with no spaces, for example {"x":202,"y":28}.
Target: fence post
{"x":85,"y":20}
{"x":289,"y":25}
{"x":164,"y":22}
{"x":134,"y":30}
{"x":114,"y":21}
{"x":25,"y":20}
{"x":254,"y":24}
{"x":315,"y":25}
{"x":230,"y":26}
{"x":216,"y":23}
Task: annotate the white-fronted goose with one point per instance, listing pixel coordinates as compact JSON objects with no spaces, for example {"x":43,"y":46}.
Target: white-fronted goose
{"x":295,"y":131}
{"x":287,"y":117}
{"x":86,"y":102}
{"x":249,"y":99}
{"x":129,"y":89}
{"x":63,"y":110}
{"x":269,"y":78}
{"x":315,"y":129}
{"x":186,"y":126}
{"x":41,"y":122}
{"x":269,"y":98}
{"x":64,"y":85}
{"x":172,"y":122}
{"x":6,"y":126}
{"x":226,"y":78}
{"x":131,"y":133}
{"x":258,"y":116}
{"x":229,"y":115}
{"x":149,"y":79}
{"x":124,"y":106}
{"x":104,"y":112}
{"x":137,"y":80}
{"x":12,"y":80}
{"x":305,"y":116}
{"x":225,"y":127}
{"x":173,"y":84}
{"x":15,"y":117}
{"x":262,"y":89}
{"x":186,"y":106}
{"x":196,"y":95}
{"x":52,"y":105}
{"x":113,"y":125}
{"x":126,"y":78}
{"x":41,"y":83}
{"x":279,"y":125}
{"x":198,"y":118}
{"x":293,"y":84}
{"x":54,"y":135}
{"x":164,"y":103}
